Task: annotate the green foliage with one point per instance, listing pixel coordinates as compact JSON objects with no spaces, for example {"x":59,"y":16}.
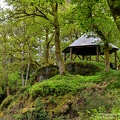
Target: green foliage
{"x":38,"y":113}
{"x":25,"y":41}
{"x":95,"y":16}
{"x":112,"y":77}
{"x":97,"y":114}
{"x":97,"y":99}
{"x":1,"y":90}
{"x":23,"y":90}
{"x":92,"y":96}
{"x":14,"y":81}
{"x":17,"y":117}
{"x":14,"y":76}
{"x":115,"y":3}
{"x":34,"y":115}
{"x":60,"y":85}
{"x":101,"y":114}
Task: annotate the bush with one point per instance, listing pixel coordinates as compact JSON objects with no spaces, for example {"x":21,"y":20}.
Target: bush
{"x":37,"y":113}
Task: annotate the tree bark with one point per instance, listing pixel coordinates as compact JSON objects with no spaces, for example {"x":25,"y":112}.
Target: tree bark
{"x":27,"y":74}
{"x":47,"y":47}
{"x":106,"y":47}
{"x":58,"y":52}
{"x":28,"y":64}
{"x":115,"y":11}
{"x":22,"y":70}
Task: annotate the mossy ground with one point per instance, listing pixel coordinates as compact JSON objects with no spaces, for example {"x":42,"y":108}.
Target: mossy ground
{"x":69,"y":97}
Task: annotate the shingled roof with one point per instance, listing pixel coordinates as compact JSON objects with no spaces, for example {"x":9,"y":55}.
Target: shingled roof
{"x":86,"y":45}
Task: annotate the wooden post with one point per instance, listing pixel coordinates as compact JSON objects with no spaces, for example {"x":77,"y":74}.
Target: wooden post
{"x":83,"y":57}
{"x":65,"y":57}
{"x":70,"y":54}
{"x":97,"y":51}
{"x":90,"y":57}
{"x":115,"y":59}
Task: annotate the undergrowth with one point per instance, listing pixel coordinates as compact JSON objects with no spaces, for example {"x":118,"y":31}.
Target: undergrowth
{"x":60,"y":85}
{"x":46,"y":99}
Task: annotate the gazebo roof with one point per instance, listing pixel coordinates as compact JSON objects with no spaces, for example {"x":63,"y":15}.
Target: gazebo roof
{"x":86,"y":45}
{"x":86,"y":40}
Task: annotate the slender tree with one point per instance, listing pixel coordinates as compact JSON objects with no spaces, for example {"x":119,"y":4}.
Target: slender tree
{"x":4,"y":33}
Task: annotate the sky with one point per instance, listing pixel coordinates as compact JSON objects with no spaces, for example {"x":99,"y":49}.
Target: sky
{"x":2,"y":4}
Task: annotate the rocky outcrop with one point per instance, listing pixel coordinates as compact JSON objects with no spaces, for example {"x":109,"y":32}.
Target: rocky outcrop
{"x":46,"y":72}
{"x":82,"y":68}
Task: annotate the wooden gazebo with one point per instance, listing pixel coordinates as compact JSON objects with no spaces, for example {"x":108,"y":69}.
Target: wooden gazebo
{"x":88,"y":45}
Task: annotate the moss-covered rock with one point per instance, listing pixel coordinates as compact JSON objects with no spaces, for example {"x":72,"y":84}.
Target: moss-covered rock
{"x":46,"y":72}
{"x":6,"y":102}
{"x":82,"y":68}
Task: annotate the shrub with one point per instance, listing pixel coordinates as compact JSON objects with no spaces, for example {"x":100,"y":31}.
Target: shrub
{"x":38,"y":113}
{"x":60,"y":85}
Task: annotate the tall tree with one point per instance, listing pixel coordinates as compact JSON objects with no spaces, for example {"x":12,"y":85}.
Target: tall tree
{"x":45,"y":9}
{"x":95,"y":16}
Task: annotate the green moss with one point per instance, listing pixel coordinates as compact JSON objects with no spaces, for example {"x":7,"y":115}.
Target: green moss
{"x":44,"y":100}
{"x":6,"y":102}
{"x":84,"y":68}
{"x":60,"y":85}
{"x":1,"y":91}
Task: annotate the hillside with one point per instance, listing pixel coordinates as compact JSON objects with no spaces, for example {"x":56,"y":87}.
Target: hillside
{"x":69,"y":97}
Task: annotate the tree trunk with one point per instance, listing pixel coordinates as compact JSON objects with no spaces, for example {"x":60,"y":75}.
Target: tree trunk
{"x":106,"y":47}
{"x":107,"y":55}
{"x":22,"y":77}
{"x":47,"y":47}
{"x":27,"y":74}
{"x":28,"y":64}
{"x":115,"y":10}
{"x":7,"y":85}
{"x":58,"y":52}
{"x":22,"y":70}
{"x":5,"y":68}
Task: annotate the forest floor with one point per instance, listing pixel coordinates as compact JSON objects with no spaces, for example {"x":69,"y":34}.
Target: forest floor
{"x":68,"y":97}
